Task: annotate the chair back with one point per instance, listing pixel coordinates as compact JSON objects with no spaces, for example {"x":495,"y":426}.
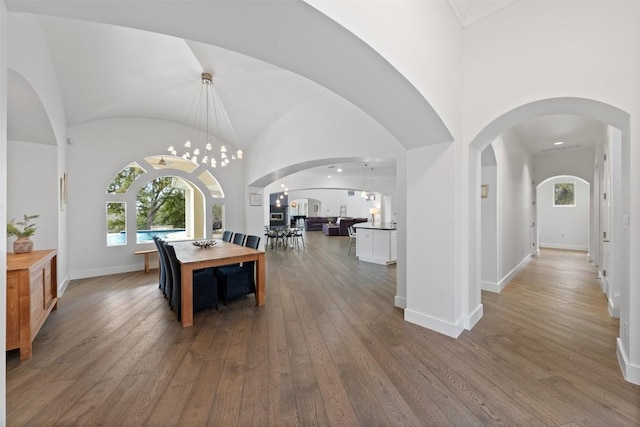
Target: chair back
{"x":238,"y":238}
{"x":176,"y":291}
{"x":227,"y":235}
{"x":162,"y":280}
{"x":252,"y":242}
{"x":168,"y":287}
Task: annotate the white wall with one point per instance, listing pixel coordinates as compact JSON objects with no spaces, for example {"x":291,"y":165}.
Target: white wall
{"x":514,"y":205}
{"x":563,"y":227}
{"x":489,"y":231}
{"x":32,"y":189}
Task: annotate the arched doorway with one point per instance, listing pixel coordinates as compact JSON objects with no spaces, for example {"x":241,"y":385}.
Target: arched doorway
{"x":618,"y":136}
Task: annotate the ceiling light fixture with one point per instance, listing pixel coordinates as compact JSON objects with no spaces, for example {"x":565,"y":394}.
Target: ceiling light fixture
{"x":201,"y":126}
{"x":558,"y":143}
{"x":367,"y":195}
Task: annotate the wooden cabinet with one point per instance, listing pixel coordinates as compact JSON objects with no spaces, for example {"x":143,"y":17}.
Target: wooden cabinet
{"x":32,"y":293}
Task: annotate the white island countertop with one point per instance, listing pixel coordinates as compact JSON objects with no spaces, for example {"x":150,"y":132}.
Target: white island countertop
{"x":375,"y":226}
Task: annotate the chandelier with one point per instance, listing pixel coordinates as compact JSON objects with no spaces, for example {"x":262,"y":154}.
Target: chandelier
{"x":367,"y":195}
{"x":198,"y":148}
{"x":281,"y":194}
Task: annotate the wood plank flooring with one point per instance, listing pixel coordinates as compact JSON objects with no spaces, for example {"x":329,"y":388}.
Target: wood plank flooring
{"x":328,"y":348}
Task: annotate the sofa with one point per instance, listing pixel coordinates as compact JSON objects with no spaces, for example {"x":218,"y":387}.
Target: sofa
{"x":345,"y":223}
{"x":314,"y":223}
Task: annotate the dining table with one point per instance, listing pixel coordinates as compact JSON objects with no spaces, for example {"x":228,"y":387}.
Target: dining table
{"x":192,"y":257}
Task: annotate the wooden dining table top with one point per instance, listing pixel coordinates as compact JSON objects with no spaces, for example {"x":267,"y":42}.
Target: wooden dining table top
{"x":222,"y":251}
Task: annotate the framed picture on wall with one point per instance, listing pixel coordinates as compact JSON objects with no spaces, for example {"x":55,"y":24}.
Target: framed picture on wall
{"x":255,"y":199}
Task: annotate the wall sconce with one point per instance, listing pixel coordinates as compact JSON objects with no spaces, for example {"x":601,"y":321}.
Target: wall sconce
{"x":373,"y":212}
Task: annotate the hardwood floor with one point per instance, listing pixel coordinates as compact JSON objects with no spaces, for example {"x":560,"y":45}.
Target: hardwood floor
{"x":328,"y":348}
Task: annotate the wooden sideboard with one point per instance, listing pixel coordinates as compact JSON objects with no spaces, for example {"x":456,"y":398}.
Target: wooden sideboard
{"x":32,"y":293}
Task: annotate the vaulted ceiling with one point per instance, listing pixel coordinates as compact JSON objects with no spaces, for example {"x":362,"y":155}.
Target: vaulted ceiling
{"x":107,"y":71}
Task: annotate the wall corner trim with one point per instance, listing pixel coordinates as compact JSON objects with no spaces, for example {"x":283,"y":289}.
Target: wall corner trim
{"x":473,"y":318}
{"x":438,"y":325}
{"x":630,"y":371}
{"x":400,"y":302}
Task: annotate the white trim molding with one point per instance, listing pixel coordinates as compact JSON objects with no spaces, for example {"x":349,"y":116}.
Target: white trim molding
{"x":471,"y":320}
{"x":497,"y":287}
{"x":565,"y":247}
{"x":630,"y":371}
{"x":441,"y":326}
{"x":400,"y":302}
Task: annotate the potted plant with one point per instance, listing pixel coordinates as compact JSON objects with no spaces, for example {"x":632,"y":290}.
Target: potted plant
{"x":23,"y":243}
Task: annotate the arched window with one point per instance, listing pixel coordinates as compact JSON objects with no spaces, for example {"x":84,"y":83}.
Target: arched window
{"x":168,"y":206}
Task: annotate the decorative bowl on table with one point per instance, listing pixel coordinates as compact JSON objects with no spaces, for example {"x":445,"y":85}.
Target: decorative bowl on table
{"x":204,"y":244}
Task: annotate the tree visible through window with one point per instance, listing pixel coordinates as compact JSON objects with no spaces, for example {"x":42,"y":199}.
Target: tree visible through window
{"x":160,"y":202}
{"x":564,"y":194}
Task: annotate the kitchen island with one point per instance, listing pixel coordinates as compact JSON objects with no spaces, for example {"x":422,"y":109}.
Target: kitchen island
{"x":376,"y":242}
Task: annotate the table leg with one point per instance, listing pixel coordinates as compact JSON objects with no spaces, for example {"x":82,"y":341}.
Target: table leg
{"x":260,"y":280}
{"x":146,"y":263}
{"x":186,"y":296}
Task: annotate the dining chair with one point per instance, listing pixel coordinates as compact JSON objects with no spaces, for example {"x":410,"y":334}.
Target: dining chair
{"x":205,"y":285}
{"x":270,"y":235}
{"x":296,"y":235}
{"x":168,"y":282}
{"x":352,"y":239}
{"x":238,"y":238}
{"x":252,"y":241}
{"x":162,"y":270}
{"x":236,"y":281}
{"x":227,"y":235}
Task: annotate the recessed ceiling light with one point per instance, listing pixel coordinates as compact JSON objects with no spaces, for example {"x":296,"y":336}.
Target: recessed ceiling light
{"x":339,"y":170}
{"x":329,"y":176}
{"x":558,"y":143}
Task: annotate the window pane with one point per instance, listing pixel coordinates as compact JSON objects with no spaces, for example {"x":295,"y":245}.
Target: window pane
{"x":125,"y":178}
{"x":116,"y":223}
{"x":564,"y":194}
{"x":217,"y":217}
{"x":161,"y":209}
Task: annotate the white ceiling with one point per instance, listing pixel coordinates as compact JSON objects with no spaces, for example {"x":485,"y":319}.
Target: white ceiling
{"x":108,"y":71}
{"x":470,"y":11}
{"x":576,"y":132}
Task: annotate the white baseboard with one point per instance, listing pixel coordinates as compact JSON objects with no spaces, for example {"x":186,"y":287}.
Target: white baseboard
{"x":614,"y":310}
{"x":490,"y":286}
{"x":474,"y":317}
{"x":564,"y":246}
{"x":83,"y":274}
{"x":506,"y":279}
{"x":63,"y":287}
{"x":441,"y":326}
{"x":400,"y":302}
{"x":630,"y":371}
